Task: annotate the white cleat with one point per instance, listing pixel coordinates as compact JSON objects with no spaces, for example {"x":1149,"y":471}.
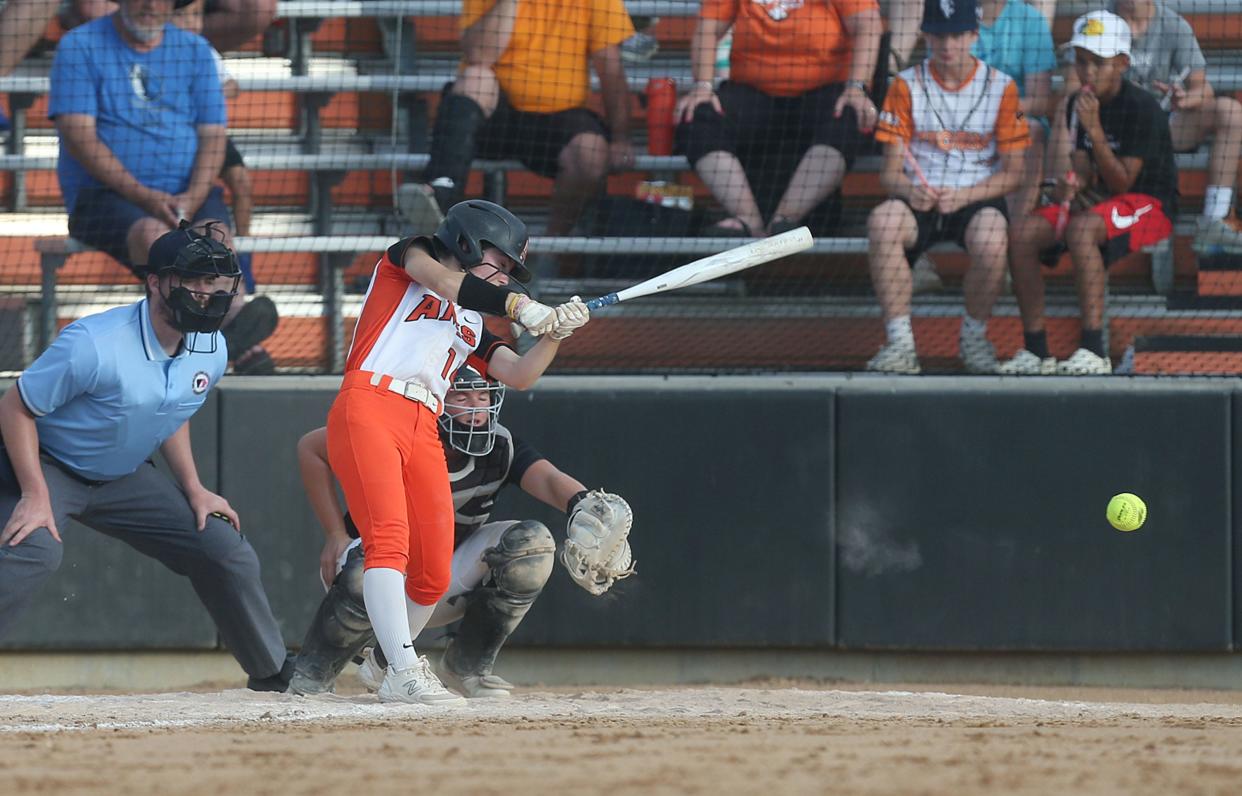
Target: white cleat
{"x":370,"y":673}
{"x":977,"y":354}
{"x":1025,"y":363}
{"x":477,"y":686}
{"x":417,"y":685}
{"x":895,"y":358}
{"x":1085,"y":363}
{"x":417,"y":204}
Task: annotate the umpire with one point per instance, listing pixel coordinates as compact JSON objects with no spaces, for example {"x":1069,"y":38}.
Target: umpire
{"x":80,"y":429}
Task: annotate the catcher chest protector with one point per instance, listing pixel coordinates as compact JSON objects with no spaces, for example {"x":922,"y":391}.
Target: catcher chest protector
{"x":470,"y":225}
{"x":521,"y":564}
{"x":339,"y":631}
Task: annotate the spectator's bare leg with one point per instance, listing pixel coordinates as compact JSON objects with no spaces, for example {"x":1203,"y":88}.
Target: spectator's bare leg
{"x":232,"y":23}
{"x":479,"y":83}
{"x":891,"y":229}
{"x":1059,"y":144}
{"x":987,"y":242}
{"x":237,"y":178}
{"x":818,"y":174}
{"x":22,"y":22}
{"x":1085,"y":234}
{"x":1022,"y":201}
{"x":142,"y":233}
{"x":583,"y":164}
{"x":723,"y":174}
{"x":1221,"y":119}
{"x":1029,"y":236}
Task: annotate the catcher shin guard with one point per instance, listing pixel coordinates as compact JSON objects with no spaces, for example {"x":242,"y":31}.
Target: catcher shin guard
{"x":452,"y":147}
{"x":520,"y":564}
{"x":338,"y":632}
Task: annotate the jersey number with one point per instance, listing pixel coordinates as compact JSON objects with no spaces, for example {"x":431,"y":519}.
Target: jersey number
{"x":448,"y":364}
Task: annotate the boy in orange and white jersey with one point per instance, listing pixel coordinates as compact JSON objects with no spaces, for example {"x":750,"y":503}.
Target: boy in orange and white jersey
{"x":954,"y":137}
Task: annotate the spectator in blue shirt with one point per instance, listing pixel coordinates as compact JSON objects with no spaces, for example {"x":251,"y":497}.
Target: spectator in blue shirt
{"x":141,"y":115}
{"x":82,"y":423}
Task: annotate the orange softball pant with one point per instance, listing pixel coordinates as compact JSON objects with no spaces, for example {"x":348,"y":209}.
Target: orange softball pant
{"x":385,"y":451}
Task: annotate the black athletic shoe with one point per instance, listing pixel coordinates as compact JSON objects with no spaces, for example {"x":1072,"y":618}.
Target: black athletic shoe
{"x":278,"y":682}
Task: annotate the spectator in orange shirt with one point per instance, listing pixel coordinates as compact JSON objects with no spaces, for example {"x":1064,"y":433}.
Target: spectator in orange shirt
{"x":799,"y":74}
{"x":521,"y":93}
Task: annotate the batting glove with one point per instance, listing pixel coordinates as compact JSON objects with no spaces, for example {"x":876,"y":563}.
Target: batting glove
{"x":539,"y":319}
{"x":570,"y":316}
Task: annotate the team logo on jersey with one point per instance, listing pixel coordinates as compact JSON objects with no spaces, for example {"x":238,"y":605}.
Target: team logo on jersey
{"x":779,"y":9}
{"x":433,"y":308}
{"x":201,"y":382}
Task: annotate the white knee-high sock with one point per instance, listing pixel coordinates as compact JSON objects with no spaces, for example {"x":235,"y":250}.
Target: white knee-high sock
{"x":383,"y":591}
{"x":418,"y":615}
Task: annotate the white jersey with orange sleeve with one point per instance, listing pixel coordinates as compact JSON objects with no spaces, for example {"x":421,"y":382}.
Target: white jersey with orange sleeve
{"x":407,"y":331}
{"x":956,"y":135}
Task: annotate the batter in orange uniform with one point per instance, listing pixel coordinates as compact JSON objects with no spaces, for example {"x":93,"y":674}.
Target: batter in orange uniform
{"x":420,"y":321}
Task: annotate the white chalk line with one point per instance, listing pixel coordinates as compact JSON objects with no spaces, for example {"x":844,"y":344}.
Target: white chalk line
{"x":72,"y":713}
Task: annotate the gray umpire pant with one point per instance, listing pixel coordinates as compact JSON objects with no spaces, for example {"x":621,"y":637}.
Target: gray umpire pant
{"x":150,"y":513}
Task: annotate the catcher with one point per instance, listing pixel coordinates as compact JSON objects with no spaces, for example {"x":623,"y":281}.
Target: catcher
{"x":499,"y":568}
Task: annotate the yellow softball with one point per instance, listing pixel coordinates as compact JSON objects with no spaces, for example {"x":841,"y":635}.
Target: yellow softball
{"x":1127,"y":512}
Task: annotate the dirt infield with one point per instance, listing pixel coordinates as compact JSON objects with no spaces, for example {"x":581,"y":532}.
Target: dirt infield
{"x":774,"y":739}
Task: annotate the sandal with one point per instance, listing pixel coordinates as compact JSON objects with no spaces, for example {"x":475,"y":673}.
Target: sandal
{"x":781,"y":224}
{"x":719,"y":230}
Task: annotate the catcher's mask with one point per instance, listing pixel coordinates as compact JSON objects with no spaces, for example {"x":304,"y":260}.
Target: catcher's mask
{"x":203,"y":277}
{"x":468,"y":424}
{"x":471,"y":225}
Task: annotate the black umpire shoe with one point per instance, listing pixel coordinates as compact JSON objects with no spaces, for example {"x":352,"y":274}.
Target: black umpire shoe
{"x":278,"y":682}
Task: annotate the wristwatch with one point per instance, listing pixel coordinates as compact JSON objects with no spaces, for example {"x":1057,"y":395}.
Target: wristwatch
{"x":858,"y":84}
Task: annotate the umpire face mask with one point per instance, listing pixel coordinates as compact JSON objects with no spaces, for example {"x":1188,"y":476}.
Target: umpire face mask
{"x":471,"y":414}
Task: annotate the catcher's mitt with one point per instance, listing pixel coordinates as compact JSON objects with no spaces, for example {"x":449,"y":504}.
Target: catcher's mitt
{"x":597,"y":549}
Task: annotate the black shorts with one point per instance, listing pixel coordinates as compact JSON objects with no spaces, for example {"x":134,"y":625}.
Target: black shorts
{"x":535,"y":139}
{"x":231,"y":156}
{"x":935,"y":227}
{"x":757,"y":126}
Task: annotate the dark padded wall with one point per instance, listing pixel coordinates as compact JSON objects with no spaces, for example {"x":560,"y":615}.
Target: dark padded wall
{"x":972,"y":517}
{"x":260,"y":428}
{"x":106,"y":595}
{"x":732,"y":529}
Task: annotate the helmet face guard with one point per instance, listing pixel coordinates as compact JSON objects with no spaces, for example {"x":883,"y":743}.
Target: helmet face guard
{"x":462,"y":423}
{"x":203,"y":279}
{"x":474,"y":224}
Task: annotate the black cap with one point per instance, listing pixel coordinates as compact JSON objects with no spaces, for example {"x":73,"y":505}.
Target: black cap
{"x":950,"y":16}
{"x":182,"y":3}
{"x":189,"y":251}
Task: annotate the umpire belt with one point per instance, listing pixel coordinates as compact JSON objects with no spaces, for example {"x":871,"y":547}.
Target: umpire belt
{"x":409,"y":390}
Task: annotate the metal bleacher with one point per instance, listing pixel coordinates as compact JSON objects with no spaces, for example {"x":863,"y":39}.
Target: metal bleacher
{"x":335,"y":235}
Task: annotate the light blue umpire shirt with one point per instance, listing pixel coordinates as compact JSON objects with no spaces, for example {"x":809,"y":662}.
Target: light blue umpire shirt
{"x":105,"y":395}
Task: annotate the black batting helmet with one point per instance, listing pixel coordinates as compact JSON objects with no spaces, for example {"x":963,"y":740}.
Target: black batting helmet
{"x":189,"y":255}
{"x":470,"y":225}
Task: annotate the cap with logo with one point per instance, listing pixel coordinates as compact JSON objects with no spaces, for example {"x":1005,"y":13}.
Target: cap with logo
{"x":950,"y":16}
{"x":1102,"y":33}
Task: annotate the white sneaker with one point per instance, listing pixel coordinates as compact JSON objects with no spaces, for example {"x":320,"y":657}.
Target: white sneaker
{"x":977,"y":354}
{"x":926,"y":280}
{"x":370,"y":673}
{"x":417,"y":685}
{"x":895,"y":358}
{"x":1216,"y":236}
{"x":477,"y":686}
{"x":1085,"y":363}
{"x":1025,"y":363}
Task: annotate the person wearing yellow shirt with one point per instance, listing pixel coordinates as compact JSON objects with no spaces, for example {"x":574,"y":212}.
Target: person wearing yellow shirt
{"x":521,"y":93}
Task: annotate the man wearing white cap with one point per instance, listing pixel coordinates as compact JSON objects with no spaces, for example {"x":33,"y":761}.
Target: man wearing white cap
{"x":1119,"y":198}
